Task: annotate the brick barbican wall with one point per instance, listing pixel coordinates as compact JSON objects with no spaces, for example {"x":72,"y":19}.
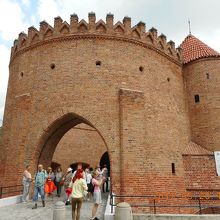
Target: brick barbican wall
{"x":202,"y":181}
{"x":134,"y":97}
{"x":201,"y":173}
{"x":80,"y":144}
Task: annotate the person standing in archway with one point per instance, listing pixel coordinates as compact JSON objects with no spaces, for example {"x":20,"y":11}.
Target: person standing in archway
{"x":97,"y":182}
{"x":58,"y":178}
{"x":26,"y":183}
{"x":89,"y":183}
{"x":39,"y":182}
{"x":79,"y":167}
{"x":105,"y":178}
{"x":49,"y":185}
{"x":67,"y":179}
{"x":79,"y":186}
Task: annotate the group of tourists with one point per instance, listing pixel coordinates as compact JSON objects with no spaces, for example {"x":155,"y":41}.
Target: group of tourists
{"x":80,"y":185}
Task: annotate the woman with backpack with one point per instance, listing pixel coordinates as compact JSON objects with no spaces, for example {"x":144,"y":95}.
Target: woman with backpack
{"x":97,"y":197}
{"x":58,"y":179}
{"x":66,"y":182}
{"x":79,"y":187}
{"x":89,"y":183}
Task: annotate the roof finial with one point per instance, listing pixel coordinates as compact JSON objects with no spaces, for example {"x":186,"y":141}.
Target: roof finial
{"x":189,"y":26}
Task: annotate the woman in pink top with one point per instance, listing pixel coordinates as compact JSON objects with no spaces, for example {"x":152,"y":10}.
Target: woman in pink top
{"x":97,"y":197}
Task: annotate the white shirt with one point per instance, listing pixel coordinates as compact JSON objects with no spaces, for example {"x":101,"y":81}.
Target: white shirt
{"x":88,"y":178}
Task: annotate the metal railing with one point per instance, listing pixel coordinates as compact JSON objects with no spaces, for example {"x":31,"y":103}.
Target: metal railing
{"x":9,"y":191}
{"x":154,"y":204}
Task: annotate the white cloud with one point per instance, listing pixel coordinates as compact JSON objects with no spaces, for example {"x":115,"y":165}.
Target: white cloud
{"x":169,"y":17}
{"x":212,"y":39}
{"x":47,"y":10}
{"x":26,"y":3}
{"x":1,"y":115}
{"x":12,"y":20}
{"x":4,"y":72}
{"x":65,"y":8}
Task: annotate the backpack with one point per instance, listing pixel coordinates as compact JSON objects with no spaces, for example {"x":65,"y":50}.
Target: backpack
{"x":91,"y":187}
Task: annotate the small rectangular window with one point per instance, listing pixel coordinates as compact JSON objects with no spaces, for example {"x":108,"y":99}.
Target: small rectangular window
{"x":173,"y":168}
{"x":207,"y":75}
{"x":197,"y":98}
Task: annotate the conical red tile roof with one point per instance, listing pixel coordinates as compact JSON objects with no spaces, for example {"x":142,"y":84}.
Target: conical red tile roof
{"x":193,"y":49}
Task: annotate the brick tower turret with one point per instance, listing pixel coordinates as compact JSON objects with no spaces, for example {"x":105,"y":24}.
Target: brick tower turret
{"x":202,"y":77}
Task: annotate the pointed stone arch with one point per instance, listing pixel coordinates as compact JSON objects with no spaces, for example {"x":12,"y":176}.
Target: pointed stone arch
{"x":53,"y":133}
{"x":100,"y":27}
{"x":160,"y":44}
{"x":35,"y":38}
{"x":65,"y":29}
{"x":23,"y":42}
{"x":178,"y":56}
{"x":48,"y":33}
{"x":149,"y":38}
{"x":135,"y":34}
{"x":170,"y":52}
{"x":82,"y":26}
{"x":119,"y":28}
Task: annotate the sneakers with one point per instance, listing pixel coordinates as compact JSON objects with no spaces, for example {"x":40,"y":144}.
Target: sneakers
{"x":94,"y":218}
{"x":67,"y":203}
{"x":35,"y":206}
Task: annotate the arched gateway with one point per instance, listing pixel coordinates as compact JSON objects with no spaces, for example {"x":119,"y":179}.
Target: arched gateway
{"x":124,"y":82}
{"x":53,"y":134}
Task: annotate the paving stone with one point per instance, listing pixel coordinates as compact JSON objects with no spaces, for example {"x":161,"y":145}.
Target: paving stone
{"x":24,"y":211}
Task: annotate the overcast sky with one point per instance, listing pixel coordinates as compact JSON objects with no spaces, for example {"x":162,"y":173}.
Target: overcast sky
{"x":169,"y":17}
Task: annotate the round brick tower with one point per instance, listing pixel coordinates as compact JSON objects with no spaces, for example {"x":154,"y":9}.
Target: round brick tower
{"x":202,"y":79}
{"x":124,"y":82}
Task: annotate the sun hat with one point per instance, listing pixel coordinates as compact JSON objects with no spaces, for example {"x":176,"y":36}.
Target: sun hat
{"x":69,"y":169}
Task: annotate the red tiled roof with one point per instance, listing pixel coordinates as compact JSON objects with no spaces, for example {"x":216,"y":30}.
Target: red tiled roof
{"x":195,"y":149}
{"x":193,"y":49}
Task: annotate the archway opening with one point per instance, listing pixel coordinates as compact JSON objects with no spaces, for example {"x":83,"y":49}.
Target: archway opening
{"x":84,"y":165}
{"x":105,"y":161}
{"x":69,"y":140}
{"x":55,"y":165}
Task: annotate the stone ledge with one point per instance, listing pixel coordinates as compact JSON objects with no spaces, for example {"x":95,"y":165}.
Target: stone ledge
{"x":174,"y":217}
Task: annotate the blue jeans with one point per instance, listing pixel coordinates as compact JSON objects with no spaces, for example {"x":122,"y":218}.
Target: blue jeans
{"x":40,"y":190}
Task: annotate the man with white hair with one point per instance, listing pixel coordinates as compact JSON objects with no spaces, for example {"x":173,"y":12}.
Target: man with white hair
{"x":39,"y":181}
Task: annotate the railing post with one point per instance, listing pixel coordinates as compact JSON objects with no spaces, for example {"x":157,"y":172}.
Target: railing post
{"x":200,"y":209}
{"x":111,"y":202}
{"x":1,"y":192}
{"x":154,"y":206}
{"x":123,"y":211}
{"x":59,"y":212}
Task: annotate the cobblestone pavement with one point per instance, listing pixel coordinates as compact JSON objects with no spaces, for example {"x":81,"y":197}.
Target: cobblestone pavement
{"x":24,"y":211}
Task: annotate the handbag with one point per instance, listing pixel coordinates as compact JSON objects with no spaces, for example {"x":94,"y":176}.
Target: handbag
{"x":68,"y":191}
{"x":85,"y":193}
{"x":62,"y":182}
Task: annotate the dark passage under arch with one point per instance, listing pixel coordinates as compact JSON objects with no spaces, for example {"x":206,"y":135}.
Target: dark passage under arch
{"x":105,"y":161}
